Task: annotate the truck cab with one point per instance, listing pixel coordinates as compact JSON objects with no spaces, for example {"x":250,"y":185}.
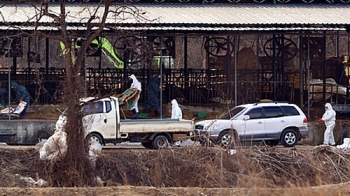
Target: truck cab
{"x":101,"y":118}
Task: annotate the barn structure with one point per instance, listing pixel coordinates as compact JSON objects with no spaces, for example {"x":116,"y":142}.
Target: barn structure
{"x":207,"y":51}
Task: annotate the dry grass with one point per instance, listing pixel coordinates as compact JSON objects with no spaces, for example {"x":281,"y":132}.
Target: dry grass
{"x":250,"y":171}
{"x":214,"y":167}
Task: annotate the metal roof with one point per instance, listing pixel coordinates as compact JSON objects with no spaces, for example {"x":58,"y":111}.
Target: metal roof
{"x":189,"y":17}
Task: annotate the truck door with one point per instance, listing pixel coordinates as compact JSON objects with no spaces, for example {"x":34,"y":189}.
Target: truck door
{"x":110,"y":120}
{"x":100,"y":117}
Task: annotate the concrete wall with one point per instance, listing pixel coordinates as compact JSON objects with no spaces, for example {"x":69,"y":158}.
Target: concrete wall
{"x":25,"y":132}
{"x":29,"y":132}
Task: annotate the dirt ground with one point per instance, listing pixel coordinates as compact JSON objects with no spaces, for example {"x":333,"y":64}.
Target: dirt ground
{"x":328,"y":190}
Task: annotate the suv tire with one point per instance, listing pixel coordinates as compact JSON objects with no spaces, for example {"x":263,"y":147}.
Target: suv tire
{"x":272,"y":142}
{"x":228,"y":139}
{"x":289,"y":138}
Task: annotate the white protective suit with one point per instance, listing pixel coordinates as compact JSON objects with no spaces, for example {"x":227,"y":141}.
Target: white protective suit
{"x":135,"y":84}
{"x":176,"y":112}
{"x":329,"y":120}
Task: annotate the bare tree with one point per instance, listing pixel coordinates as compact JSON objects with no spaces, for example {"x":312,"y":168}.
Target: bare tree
{"x":75,"y":168}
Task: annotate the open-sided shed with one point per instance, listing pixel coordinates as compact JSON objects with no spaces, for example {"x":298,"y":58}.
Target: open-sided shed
{"x":232,"y":53}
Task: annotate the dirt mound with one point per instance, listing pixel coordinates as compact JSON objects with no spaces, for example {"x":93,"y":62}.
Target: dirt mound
{"x":46,"y":112}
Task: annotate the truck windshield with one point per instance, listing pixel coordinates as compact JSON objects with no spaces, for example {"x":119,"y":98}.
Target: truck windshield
{"x":93,"y":108}
{"x":233,"y":112}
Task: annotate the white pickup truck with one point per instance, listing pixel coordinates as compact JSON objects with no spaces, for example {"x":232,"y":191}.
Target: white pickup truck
{"x":102,"y":123}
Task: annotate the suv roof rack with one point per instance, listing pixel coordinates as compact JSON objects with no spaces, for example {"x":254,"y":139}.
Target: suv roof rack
{"x":282,"y":102}
{"x":270,"y":101}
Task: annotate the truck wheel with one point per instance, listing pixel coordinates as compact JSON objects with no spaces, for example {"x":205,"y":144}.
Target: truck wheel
{"x":289,"y":138}
{"x":95,"y":137}
{"x":147,"y":145}
{"x":160,"y":142}
{"x":228,"y":139}
{"x":42,"y":135}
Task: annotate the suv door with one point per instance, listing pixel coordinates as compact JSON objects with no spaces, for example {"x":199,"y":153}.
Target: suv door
{"x":253,"y":127}
{"x":275,"y":121}
{"x":294,"y":116}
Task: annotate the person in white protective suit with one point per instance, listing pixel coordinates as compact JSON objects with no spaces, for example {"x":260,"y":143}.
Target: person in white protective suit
{"x":135,"y":84}
{"x":329,"y":120}
{"x":176,"y":112}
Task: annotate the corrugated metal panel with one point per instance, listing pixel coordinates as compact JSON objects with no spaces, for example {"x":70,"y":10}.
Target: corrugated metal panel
{"x":229,"y":16}
{"x":167,"y":28}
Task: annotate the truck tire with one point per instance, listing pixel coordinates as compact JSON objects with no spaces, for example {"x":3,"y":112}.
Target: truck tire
{"x":147,"y":145}
{"x":289,"y":138}
{"x":96,"y":137}
{"x":42,"y":134}
{"x":160,"y":141}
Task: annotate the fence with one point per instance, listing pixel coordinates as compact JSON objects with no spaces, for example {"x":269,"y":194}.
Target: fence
{"x":193,"y":86}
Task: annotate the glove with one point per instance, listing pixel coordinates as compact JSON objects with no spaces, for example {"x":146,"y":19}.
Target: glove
{"x":320,"y":120}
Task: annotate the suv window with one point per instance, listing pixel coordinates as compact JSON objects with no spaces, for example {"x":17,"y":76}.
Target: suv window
{"x":273,"y":111}
{"x":232,"y":113}
{"x":290,"y":111}
{"x":93,"y":108}
{"x":254,"y":113}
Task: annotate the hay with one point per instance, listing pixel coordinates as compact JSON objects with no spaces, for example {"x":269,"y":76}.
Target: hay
{"x":187,"y":114}
{"x":46,"y":112}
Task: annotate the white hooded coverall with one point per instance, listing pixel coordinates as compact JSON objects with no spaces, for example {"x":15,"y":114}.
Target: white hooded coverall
{"x":329,"y":120}
{"x":176,"y":112}
{"x":135,"y":84}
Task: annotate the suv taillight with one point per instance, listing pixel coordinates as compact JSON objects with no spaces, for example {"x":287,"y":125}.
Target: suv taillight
{"x":305,"y":120}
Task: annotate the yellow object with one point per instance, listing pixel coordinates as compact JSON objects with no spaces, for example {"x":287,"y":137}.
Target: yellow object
{"x":266,"y":100}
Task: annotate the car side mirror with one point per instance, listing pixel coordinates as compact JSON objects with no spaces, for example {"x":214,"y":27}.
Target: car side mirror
{"x":246,"y":117}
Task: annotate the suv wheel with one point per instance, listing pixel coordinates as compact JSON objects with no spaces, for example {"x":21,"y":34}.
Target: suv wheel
{"x":228,"y":139}
{"x":272,"y":142}
{"x":206,"y":142}
{"x":289,"y":138}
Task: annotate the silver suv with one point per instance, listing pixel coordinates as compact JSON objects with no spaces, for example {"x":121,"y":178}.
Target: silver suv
{"x":271,"y":122}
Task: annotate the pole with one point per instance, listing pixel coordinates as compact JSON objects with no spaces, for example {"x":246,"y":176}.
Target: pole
{"x":235,"y":70}
{"x":9,"y":80}
{"x":308,"y":76}
{"x":160,"y":78}
{"x":85,"y":85}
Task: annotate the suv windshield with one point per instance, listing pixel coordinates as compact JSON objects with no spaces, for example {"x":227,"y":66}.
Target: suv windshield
{"x":233,"y":112}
